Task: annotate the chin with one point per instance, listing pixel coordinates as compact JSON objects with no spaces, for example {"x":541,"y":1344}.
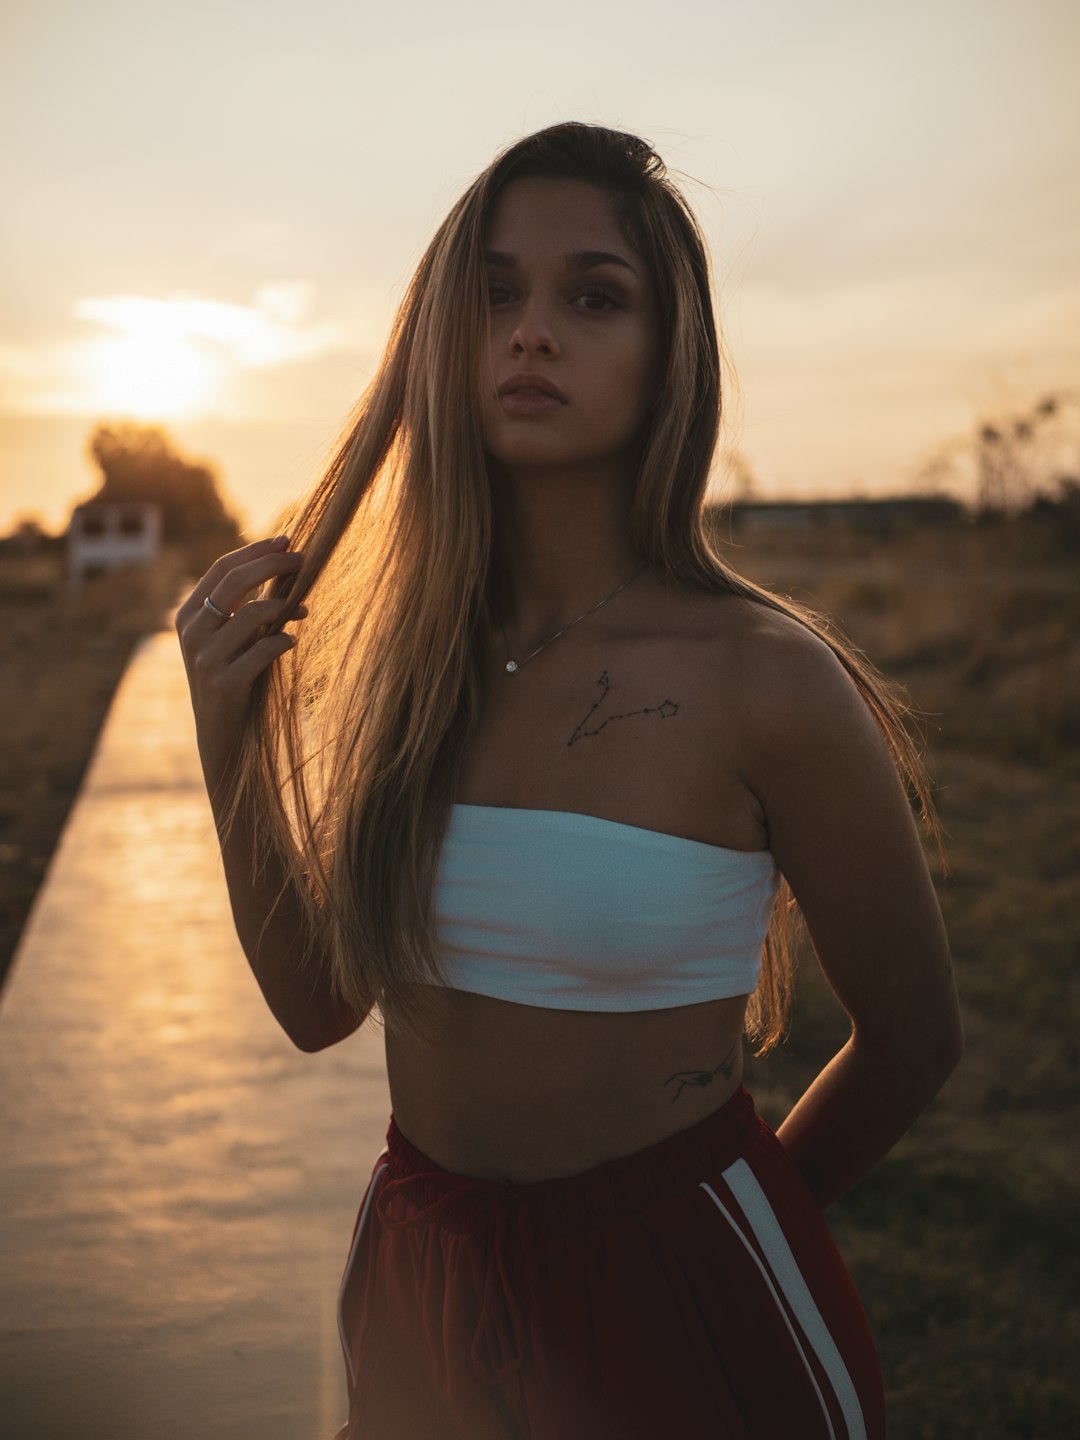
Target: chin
{"x":530,"y":451}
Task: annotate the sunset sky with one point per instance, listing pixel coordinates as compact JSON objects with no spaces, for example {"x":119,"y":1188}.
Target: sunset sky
{"x":212,"y":209}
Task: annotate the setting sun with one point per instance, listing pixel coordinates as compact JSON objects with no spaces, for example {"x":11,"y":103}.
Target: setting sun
{"x":151,"y":376}
{"x":178,"y":357}
{"x":154,"y":366}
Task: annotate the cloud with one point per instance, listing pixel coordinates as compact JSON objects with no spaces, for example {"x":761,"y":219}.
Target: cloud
{"x":270,"y":332}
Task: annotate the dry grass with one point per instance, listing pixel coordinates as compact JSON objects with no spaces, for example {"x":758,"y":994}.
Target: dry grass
{"x":62,"y":653}
{"x":962,"y":1241}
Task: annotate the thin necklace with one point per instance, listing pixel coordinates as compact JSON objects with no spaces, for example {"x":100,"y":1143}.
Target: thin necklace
{"x":513,"y":666}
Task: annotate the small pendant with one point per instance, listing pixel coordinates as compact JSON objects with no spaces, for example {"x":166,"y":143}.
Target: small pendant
{"x":511,"y":666}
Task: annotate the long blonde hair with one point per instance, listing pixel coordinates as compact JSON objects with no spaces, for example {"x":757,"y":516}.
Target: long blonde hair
{"x":350,"y":758}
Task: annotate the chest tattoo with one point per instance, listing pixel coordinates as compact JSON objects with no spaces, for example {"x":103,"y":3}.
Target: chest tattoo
{"x":665,"y":709}
{"x":702,"y":1077}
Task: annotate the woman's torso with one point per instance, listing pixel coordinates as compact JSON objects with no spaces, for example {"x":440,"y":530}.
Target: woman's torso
{"x":523,"y":1093}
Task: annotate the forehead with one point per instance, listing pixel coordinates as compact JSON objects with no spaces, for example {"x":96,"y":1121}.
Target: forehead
{"x":537,"y":215}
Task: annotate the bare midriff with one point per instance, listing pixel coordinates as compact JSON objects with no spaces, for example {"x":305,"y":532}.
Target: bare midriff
{"x":514,"y":1092}
{"x":505,"y":1091}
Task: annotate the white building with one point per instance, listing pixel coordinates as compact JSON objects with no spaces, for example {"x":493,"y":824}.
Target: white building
{"x":107,"y":535}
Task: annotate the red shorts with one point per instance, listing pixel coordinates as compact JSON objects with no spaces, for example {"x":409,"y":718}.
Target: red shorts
{"x":691,"y":1290}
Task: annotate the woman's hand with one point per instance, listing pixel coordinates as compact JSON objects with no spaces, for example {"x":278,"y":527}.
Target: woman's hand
{"x":223,"y":658}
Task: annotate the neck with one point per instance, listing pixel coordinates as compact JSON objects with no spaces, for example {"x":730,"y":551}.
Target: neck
{"x":561,"y":545}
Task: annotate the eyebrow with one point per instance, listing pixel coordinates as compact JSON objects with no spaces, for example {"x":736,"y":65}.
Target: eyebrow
{"x":579,"y":259}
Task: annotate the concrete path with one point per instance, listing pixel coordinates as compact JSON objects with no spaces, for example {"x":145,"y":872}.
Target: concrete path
{"x":178,"y":1184}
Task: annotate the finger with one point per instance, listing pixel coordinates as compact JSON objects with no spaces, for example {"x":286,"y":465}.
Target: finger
{"x":228,"y":595}
{"x":249,"y":623}
{"x":246,"y":668}
{"x":221,"y":567}
{"x":240,"y":581}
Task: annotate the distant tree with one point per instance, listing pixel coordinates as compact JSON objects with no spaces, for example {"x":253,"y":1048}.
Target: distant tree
{"x":1010,"y":458}
{"x":139,"y":462}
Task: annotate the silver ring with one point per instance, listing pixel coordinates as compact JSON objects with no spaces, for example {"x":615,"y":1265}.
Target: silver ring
{"x":214,"y":610}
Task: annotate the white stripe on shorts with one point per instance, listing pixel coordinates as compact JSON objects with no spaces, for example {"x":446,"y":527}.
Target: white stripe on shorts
{"x":372,"y":1187}
{"x":743,"y":1184}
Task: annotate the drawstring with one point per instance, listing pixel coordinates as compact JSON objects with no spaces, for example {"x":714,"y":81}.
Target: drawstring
{"x":502,"y":1197}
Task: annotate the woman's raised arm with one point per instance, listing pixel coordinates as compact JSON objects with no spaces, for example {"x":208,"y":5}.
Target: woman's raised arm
{"x":843,"y":834}
{"x":223,"y":657}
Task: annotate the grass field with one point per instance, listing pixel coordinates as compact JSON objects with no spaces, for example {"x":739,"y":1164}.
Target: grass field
{"x":962,"y":1242}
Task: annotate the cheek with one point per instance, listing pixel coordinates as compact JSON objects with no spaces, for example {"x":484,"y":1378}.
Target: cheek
{"x":636,"y":380}
{"x":641,"y":355}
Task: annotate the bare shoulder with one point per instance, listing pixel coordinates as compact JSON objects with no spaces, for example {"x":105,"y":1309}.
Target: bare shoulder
{"x":840,"y":827}
{"x":774,"y":645}
{"x":777,"y":668}
{"x":795,"y":709}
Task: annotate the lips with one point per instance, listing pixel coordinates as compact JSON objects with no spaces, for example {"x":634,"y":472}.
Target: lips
{"x":523,"y":383}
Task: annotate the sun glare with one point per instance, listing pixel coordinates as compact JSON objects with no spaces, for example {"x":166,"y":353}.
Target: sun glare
{"x":153,"y":369}
{"x":152,"y":377}
{"x":178,"y":357}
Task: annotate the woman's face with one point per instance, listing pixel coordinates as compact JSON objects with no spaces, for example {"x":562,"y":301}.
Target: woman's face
{"x":571,"y":304}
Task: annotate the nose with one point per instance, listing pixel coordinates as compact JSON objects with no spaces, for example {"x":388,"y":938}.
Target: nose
{"x":533,"y":333}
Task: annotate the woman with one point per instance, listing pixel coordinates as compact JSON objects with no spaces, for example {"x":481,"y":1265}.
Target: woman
{"x":542,"y":786}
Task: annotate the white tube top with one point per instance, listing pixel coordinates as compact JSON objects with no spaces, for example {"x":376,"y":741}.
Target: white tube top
{"x":573,"y":912}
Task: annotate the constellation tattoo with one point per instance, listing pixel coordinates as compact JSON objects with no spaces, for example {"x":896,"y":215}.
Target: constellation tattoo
{"x":702,"y":1077}
{"x":664,"y":709}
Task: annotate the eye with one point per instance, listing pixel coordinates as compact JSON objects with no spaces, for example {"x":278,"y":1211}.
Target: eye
{"x":493,"y":293}
{"x":596,"y":294}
